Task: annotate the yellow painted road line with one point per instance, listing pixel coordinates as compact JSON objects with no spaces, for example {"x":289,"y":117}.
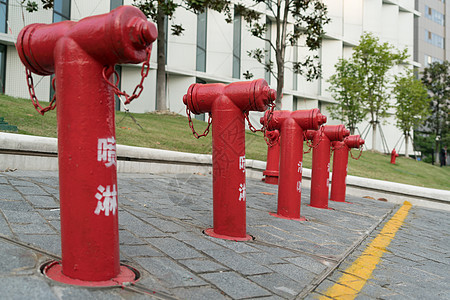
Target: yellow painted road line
{"x":355,"y":276}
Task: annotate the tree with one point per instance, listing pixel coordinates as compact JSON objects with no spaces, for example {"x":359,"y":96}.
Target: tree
{"x":436,"y":78}
{"x":369,"y":80}
{"x":158,"y":11}
{"x":347,"y":92}
{"x":411,"y":104}
{"x":308,"y":18}
{"x":374,"y":60}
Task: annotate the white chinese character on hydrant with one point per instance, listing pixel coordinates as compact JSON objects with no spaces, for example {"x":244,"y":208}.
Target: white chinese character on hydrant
{"x":109,"y":198}
{"x":242,"y":192}
{"x":242,"y":163}
{"x":107,"y":151}
{"x":299,"y":186}
{"x":300,"y":164}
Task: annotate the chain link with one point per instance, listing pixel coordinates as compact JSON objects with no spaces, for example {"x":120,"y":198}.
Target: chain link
{"x":191,"y":124}
{"x":311,"y":144}
{"x":360,"y":153}
{"x":34,"y":99}
{"x":139,"y":88}
{"x":263,"y":129}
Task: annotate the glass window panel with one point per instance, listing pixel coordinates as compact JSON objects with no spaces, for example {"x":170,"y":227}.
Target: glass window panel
{"x":2,"y":68}
{"x":3,"y":16}
{"x":115,"y":3}
{"x":201,"y":42}
{"x":237,"y":45}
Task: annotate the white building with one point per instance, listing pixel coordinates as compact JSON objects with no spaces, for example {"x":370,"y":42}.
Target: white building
{"x":211,"y":50}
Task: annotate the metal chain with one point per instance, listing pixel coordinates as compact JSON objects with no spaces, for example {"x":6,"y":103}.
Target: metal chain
{"x":311,"y":144}
{"x":191,"y":124}
{"x":136,"y":93}
{"x":360,"y":153}
{"x":264,"y":127}
{"x":34,"y":99}
{"x":139,"y":88}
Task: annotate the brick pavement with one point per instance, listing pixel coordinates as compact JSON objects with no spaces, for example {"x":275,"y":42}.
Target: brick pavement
{"x":161,"y":218}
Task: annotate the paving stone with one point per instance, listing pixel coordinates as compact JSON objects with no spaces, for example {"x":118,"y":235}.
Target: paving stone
{"x":199,"y":293}
{"x":278,"y":284}
{"x":31,"y":190}
{"x":8,"y":193}
{"x":23,"y":217}
{"x":139,"y":250}
{"x":174,"y":248}
{"x":169,"y":272}
{"x":237,"y":262}
{"x":127,"y":238}
{"x":138,"y":227}
{"x":12,"y":288}
{"x":202,"y":244}
{"x":202,"y":265}
{"x":42,"y":201}
{"x":308,"y":263}
{"x":300,"y":275}
{"x":239,"y":247}
{"x":235,"y":285}
{"x":38,"y":228}
{"x":19,"y":205}
{"x":49,"y":243}
{"x":164,"y":225}
{"x":263,"y":258}
{"x":15,"y":260}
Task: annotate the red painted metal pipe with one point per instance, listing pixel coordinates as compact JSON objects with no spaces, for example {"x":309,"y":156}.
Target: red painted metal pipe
{"x":227,"y":104}
{"x":340,"y":165}
{"x":321,"y":162}
{"x":394,"y":155}
{"x":273,"y":158}
{"x":77,"y":53}
{"x":291,"y":126}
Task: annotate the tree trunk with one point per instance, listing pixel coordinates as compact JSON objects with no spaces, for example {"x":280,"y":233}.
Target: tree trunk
{"x":352,"y":130}
{"x":374,"y":135}
{"x":406,"y":145}
{"x":161,"y":104}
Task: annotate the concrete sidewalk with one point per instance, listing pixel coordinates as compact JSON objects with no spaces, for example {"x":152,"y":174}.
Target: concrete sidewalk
{"x":161,"y":220}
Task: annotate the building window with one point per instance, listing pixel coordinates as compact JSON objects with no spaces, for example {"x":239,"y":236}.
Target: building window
{"x":434,"y":39}
{"x":61,"y":10}
{"x":3,"y":16}
{"x":115,"y":3}
{"x":434,"y":15}
{"x":429,"y":59}
{"x":2,"y":68}
{"x":201,"y":42}
{"x":295,"y":104}
{"x":237,"y":25}
{"x":268,"y":48}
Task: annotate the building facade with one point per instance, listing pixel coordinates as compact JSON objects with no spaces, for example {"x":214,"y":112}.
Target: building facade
{"x":212,"y":50}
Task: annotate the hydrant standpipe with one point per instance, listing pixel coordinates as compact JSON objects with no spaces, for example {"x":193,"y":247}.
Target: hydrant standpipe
{"x":77,"y":52}
{"x":291,"y":126}
{"x":273,"y":157}
{"x":340,"y":165}
{"x":320,"y":172}
{"x":227,"y":104}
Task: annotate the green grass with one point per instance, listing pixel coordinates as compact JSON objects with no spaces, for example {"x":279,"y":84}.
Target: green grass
{"x":172,"y":132}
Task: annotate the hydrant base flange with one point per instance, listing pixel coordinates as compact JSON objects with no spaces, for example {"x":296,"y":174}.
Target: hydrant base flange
{"x":210,"y":232}
{"x":287,"y":218}
{"x":270,"y":179}
{"x":53,"y":270}
{"x":342,"y":201}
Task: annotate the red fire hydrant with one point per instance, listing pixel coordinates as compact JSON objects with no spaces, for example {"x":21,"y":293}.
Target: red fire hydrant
{"x":321,"y":162}
{"x":291,"y":126}
{"x":78,"y":53}
{"x":394,"y":155}
{"x":228,"y":105}
{"x":273,"y":157}
{"x":340,"y":165}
